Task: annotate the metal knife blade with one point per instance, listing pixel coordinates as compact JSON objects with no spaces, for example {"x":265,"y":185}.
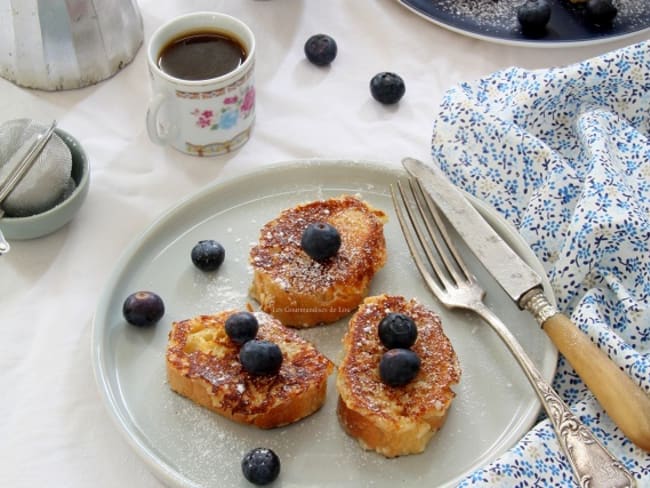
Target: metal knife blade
{"x":507,"y":268}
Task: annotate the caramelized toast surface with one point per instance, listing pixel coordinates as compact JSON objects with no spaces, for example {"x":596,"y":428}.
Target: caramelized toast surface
{"x":203,"y":365}
{"x":394,"y":420}
{"x":302,"y":292}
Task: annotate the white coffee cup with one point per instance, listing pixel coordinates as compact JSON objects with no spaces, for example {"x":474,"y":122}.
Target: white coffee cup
{"x":202,"y":117}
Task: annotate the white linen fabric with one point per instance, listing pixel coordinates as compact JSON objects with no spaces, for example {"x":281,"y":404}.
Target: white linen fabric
{"x":54,"y":429}
{"x":564,"y":155}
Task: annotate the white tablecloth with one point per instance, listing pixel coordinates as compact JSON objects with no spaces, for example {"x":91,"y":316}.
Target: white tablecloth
{"x":54,"y":430}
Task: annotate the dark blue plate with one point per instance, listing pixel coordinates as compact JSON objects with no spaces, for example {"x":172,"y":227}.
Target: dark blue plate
{"x":496,"y":21}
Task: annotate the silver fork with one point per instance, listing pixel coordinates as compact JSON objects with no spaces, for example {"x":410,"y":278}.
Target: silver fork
{"x":447,"y":276}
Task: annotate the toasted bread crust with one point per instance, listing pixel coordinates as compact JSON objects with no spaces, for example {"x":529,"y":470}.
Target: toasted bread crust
{"x":203,"y":365}
{"x":391,"y":439}
{"x":394,"y":421}
{"x":302,"y":292}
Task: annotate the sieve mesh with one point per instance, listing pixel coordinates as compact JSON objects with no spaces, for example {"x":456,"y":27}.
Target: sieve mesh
{"x":49,"y":179}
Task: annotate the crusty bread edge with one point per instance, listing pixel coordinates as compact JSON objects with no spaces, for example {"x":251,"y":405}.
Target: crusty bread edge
{"x":299,"y":407}
{"x":390,"y":439}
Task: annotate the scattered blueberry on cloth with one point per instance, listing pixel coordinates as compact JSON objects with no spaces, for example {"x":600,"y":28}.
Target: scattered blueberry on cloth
{"x":564,"y":155}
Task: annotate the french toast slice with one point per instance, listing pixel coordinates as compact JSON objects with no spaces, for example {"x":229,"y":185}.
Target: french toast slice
{"x":303,"y":292}
{"x":394,"y":420}
{"x":203,"y":365}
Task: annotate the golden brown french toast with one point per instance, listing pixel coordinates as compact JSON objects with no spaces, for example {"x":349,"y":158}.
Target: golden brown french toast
{"x":301,"y":291}
{"x":394,"y":420}
{"x":203,"y":365}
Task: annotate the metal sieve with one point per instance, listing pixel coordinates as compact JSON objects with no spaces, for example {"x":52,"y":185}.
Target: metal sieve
{"x":45,"y":184}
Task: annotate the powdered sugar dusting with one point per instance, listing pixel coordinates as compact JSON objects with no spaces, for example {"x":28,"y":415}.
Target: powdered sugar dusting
{"x":500,"y":15}
{"x":222,"y":292}
{"x":279,"y":251}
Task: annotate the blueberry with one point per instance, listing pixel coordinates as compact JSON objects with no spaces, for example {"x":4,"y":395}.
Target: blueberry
{"x":241,"y":327}
{"x":208,"y":255}
{"x":387,"y":88}
{"x":143,"y":308}
{"x":260,"y":466}
{"x":260,"y":357}
{"x":397,"y":367}
{"x":601,"y":12}
{"x":320,"y":49}
{"x":533,"y":16}
{"x":320,"y":241}
{"x":397,"y":330}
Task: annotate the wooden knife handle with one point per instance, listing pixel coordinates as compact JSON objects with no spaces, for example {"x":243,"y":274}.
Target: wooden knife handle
{"x":625,"y":402}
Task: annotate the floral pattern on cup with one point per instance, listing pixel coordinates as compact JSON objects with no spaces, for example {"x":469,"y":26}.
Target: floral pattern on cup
{"x":234,"y":107}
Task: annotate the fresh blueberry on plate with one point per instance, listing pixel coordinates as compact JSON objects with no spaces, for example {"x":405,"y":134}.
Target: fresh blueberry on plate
{"x":533,"y":16}
{"x":601,"y":12}
{"x":208,"y":255}
{"x":143,"y":308}
{"x":260,"y":466}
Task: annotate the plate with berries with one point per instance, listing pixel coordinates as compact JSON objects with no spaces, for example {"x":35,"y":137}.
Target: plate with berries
{"x":541,"y":23}
{"x":194,"y":260}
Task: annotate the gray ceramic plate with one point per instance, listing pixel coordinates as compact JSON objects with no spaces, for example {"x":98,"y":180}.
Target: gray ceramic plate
{"x":187,"y":445}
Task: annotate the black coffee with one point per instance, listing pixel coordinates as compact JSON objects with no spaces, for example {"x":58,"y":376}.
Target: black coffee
{"x":201,"y":55}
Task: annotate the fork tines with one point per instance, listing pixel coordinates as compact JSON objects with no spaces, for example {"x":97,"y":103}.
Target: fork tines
{"x":431,"y":240}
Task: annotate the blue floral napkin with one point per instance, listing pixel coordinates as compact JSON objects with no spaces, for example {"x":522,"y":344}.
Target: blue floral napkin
{"x":564,"y":155}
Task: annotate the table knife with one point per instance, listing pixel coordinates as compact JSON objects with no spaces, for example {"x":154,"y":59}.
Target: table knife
{"x":624,"y":401}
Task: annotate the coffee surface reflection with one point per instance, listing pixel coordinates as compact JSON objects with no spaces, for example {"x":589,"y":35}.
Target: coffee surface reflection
{"x":201,"y":56}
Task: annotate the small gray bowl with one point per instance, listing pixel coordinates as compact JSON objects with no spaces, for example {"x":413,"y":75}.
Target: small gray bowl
{"x":44,"y":223}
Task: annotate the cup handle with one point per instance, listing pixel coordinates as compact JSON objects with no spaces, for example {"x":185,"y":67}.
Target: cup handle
{"x":156,"y":131}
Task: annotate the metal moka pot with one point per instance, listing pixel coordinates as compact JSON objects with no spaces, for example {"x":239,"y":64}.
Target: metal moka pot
{"x":65,"y":44}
